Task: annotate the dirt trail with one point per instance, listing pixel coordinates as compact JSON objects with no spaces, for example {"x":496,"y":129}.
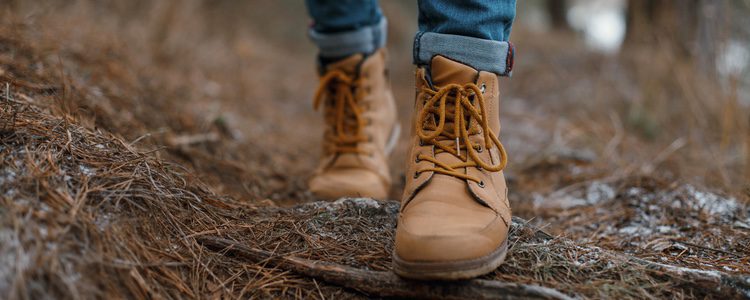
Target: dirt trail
{"x":129,"y":133}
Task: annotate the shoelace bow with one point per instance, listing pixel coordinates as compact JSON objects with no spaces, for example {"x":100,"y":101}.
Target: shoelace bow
{"x":345,"y":119}
{"x":459,"y":111}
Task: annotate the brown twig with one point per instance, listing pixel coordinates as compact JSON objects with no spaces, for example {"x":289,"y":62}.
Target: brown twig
{"x":191,"y":139}
{"x":706,"y":248}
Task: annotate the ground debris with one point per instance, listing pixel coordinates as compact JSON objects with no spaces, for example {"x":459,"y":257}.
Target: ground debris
{"x":116,"y":163}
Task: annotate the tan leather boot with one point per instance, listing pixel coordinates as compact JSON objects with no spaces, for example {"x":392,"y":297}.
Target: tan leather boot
{"x":361,"y":128}
{"x":455,"y":215}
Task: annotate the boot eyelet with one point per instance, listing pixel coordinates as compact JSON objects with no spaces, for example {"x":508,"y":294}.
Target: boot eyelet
{"x":417,"y":160}
{"x":481,"y":184}
{"x":421,"y":142}
{"x":416,"y":175}
{"x":480,"y":149}
{"x":482,"y":88}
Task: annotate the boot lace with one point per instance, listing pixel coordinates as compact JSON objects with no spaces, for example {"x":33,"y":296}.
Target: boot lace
{"x":343,"y":114}
{"x":450,"y":116}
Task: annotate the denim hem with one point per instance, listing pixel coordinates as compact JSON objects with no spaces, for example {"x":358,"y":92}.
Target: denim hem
{"x":363,"y":40}
{"x":484,"y":55}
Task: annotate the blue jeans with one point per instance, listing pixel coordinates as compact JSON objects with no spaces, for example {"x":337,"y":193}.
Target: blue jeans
{"x":474,"y":32}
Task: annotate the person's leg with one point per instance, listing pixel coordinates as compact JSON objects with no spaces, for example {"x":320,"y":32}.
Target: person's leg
{"x":473,"y":32}
{"x":344,"y":27}
{"x":455,"y":214}
{"x":354,"y":92}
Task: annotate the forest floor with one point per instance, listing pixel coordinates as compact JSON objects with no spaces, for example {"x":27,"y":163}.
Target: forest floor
{"x":157,"y":150}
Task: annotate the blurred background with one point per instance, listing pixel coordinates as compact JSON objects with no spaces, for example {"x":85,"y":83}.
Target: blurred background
{"x":610,"y":88}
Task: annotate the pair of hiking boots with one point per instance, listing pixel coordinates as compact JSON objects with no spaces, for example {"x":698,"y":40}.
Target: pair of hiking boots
{"x":454,"y":216}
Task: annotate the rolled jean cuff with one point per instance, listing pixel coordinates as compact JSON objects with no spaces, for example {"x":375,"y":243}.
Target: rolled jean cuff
{"x":483,"y":55}
{"x":363,"y":40}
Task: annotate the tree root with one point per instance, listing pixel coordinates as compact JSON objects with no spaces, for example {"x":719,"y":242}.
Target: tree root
{"x":383,"y":284}
{"x":387,"y":284}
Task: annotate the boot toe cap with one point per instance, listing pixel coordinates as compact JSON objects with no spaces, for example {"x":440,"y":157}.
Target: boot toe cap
{"x":335,"y":184}
{"x":431,"y":238}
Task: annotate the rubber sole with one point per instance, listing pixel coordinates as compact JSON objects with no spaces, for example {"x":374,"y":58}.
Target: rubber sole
{"x":452,"y":270}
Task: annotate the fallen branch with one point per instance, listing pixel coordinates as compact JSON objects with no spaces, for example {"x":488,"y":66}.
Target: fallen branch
{"x":721,"y":283}
{"x":187,"y":140}
{"x":734,"y":286}
{"x":383,"y":284}
{"x":386,"y":284}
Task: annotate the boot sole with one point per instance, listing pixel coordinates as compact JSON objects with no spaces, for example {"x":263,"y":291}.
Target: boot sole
{"x":452,"y":270}
{"x":393,"y":139}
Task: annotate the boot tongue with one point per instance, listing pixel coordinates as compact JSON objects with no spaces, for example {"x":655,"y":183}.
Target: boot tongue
{"x":348,"y":65}
{"x":445,"y":71}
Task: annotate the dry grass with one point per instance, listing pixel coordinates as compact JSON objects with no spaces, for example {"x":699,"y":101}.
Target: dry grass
{"x":124,"y":140}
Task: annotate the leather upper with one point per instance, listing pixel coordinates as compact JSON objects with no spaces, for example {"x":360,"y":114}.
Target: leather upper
{"x":364,"y":173}
{"x":443,"y":217}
